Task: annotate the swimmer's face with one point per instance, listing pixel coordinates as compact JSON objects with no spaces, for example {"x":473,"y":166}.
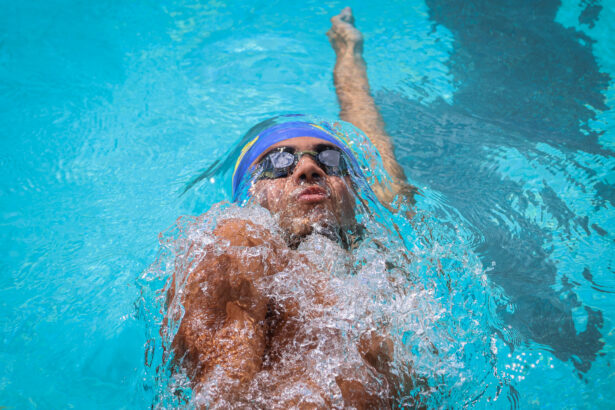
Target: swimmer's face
{"x":308,"y":198}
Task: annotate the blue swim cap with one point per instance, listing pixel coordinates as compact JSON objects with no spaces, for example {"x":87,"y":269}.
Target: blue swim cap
{"x":282,"y":132}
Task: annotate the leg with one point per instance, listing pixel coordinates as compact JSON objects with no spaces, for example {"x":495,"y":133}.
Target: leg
{"x":357,"y":106}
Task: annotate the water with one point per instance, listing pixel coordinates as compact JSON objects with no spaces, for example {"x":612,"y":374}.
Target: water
{"x":500,"y":113}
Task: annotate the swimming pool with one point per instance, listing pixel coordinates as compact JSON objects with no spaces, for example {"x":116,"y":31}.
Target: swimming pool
{"x":500,"y":112}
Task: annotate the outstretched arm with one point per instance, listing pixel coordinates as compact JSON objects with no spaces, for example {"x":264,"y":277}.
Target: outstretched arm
{"x":357,"y":105}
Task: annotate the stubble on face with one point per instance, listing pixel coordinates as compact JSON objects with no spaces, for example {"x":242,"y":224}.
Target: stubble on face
{"x":308,"y":199}
{"x":299,"y":219}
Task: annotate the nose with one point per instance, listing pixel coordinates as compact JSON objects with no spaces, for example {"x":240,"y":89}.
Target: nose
{"x":307,"y":171}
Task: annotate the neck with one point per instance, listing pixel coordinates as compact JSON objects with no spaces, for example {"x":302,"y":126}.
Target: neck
{"x":346,"y":238}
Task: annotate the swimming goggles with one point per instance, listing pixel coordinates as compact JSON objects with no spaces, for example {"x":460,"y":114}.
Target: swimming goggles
{"x":281,"y":162}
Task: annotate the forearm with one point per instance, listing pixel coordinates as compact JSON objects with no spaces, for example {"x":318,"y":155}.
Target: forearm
{"x":357,"y":106}
{"x":353,"y":92}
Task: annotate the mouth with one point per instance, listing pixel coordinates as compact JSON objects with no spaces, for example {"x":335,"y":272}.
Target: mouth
{"x":312,"y":195}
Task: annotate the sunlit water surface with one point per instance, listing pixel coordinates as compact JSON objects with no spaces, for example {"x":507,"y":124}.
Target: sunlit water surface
{"x":500,"y":113}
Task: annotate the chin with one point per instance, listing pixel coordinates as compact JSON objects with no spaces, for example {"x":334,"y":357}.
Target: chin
{"x":316,"y":220}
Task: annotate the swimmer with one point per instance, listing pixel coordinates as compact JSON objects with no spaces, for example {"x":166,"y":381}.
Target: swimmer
{"x":232,"y":333}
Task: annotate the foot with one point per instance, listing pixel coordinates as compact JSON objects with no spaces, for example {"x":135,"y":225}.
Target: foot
{"x":344,"y":36}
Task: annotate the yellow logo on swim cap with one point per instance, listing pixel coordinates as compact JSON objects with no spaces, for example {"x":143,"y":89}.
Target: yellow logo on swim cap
{"x":245,"y":149}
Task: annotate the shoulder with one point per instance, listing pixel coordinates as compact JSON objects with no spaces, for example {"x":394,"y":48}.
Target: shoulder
{"x":241,"y":232}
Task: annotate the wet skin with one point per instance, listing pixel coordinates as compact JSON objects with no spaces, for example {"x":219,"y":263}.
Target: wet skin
{"x":308,"y":198}
{"x":229,"y":333}
{"x":235,"y":327}
{"x":232,"y":330}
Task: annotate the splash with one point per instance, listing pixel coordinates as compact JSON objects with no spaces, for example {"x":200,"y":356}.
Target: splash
{"x":405,"y":313}
{"x":386,"y":310}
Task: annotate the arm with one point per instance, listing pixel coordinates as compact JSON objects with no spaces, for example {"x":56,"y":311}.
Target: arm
{"x":231,"y":330}
{"x":223,"y":328}
{"x":357,"y":106}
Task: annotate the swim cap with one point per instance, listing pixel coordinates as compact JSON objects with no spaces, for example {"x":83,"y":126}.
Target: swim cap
{"x":282,"y":132}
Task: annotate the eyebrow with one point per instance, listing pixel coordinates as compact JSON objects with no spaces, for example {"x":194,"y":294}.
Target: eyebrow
{"x":318,"y":148}
{"x":322,"y":147}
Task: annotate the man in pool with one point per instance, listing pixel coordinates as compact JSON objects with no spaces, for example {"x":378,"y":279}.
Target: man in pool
{"x":231,"y":332}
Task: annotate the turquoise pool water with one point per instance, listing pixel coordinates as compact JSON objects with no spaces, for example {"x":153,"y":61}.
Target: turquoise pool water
{"x":501,"y":112}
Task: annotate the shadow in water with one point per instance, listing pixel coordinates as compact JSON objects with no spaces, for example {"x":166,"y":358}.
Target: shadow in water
{"x":520,"y":79}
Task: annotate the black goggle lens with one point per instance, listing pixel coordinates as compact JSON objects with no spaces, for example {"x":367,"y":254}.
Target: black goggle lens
{"x":281,"y":163}
{"x":281,"y":159}
{"x":330,"y":157}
